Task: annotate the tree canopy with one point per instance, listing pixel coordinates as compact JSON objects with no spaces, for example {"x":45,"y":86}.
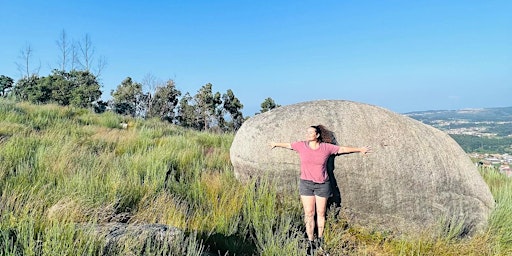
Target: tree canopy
{"x":76,"y":88}
{"x":6,"y":84}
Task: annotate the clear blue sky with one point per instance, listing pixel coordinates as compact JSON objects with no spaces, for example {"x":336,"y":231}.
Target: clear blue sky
{"x":400,"y":55}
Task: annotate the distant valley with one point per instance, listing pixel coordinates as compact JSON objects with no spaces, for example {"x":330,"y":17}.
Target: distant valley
{"x":485,"y":130}
{"x":488,"y":122}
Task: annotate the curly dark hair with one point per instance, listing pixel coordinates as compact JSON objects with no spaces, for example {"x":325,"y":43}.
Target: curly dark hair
{"x":326,"y":135}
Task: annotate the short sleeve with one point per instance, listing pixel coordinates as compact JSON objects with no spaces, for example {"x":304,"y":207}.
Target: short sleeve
{"x":295,"y":145}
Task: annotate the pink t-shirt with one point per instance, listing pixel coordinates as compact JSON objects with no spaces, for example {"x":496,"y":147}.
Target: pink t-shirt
{"x":313,"y":162}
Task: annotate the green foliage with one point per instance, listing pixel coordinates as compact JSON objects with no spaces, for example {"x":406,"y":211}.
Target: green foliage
{"x":26,"y":89}
{"x":164,"y":102}
{"x":206,"y":110}
{"x":268,"y":104}
{"x":206,"y":105}
{"x":234,"y":108}
{"x":86,"y":88}
{"x":491,"y":125}
{"x":484,"y":144}
{"x":186,"y":115}
{"x":6,"y":84}
{"x":77,"y":88}
{"x":128,"y":98}
{"x":60,"y":88}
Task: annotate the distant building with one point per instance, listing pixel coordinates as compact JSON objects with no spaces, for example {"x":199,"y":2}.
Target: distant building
{"x":505,"y":169}
{"x":493,"y":160}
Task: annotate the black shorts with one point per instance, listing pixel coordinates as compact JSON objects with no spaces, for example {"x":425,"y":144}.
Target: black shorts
{"x":310,"y":188}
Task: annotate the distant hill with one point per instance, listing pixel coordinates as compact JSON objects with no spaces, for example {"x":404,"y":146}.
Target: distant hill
{"x":476,"y":130}
{"x":474,"y":114}
{"x":478,"y":122}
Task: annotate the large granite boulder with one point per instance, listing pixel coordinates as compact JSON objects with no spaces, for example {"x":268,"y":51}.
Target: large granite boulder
{"x":416,"y":177}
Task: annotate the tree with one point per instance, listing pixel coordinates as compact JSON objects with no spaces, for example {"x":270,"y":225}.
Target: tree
{"x":149,"y":83}
{"x":268,"y":104}
{"x":222,"y":124}
{"x":87,"y":55}
{"x":74,"y":56}
{"x":6,"y":84}
{"x":207,"y":103}
{"x":233,"y":106}
{"x":64,"y":47}
{"x":40,"y":92}
{"x":186,"y":113}
{"x":77,"y":88}
{"x":164,"y":102}
{"x":127,"y":98}
{"x":24,"y":67}
{"x":86,"y":89}
{"x":26,"y":87}
{"x":58,"y":85}
{"x":87,"y":52}
{"x":100,"y":106}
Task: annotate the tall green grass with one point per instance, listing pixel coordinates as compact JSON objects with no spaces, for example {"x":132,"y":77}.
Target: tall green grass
{"x":63,"y":169}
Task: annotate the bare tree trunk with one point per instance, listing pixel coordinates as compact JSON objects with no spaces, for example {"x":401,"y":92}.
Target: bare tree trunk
{"x":64,"y":48}
{"x":74,"y":56}
{"x":87,"y":52}
{"x":102,"y":63}
{"x":149,"y":83}
{"x":87,"y":57}
{"x":24,"y":67}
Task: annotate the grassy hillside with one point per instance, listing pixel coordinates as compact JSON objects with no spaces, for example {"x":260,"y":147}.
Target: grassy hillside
{"x":62,"y":168}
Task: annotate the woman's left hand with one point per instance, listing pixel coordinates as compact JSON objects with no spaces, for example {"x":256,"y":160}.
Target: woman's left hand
{"x":365,"y":150}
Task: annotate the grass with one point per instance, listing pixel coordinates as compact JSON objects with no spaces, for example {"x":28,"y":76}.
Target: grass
{"x":63,"y":169}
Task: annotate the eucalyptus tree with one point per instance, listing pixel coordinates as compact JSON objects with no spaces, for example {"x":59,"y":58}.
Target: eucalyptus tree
{"x":127,"y":99}
{"x":164,"y":101}
{"x":186,"y":113}
{"x":233,"y":106}
{"x":65,"y":48}
{"x":86,"y":57}
{"x":206,"y":106}
{"x":149,"y":85}
{"x":24,"y":67}
{"x":87,"y":52}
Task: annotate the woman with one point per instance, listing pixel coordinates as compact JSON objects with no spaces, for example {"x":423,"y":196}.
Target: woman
{"x":314,"y":186}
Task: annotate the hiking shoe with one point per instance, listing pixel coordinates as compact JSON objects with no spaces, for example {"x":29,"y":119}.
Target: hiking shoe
{"x":310,"y":248}
{"x":319,"y":242}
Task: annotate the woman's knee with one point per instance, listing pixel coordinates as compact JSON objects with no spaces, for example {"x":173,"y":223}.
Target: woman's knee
{"x":309,"y":213}
{"x":320,"y":212}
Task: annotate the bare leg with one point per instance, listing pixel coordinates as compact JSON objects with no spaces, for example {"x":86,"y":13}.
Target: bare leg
{"x":321,"y":205}
{"x":308,"y":203}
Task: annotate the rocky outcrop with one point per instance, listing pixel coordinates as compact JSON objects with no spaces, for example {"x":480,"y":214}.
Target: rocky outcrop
{"x":416,"y":176}
{"x":137,"y":239}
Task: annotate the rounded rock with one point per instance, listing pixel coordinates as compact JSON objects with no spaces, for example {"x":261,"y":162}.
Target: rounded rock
{"x":416,"y":177}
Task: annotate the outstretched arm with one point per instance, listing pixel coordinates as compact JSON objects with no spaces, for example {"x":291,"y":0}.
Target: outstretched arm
{"x":281,"y":145}
{"x":363,"y":150}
